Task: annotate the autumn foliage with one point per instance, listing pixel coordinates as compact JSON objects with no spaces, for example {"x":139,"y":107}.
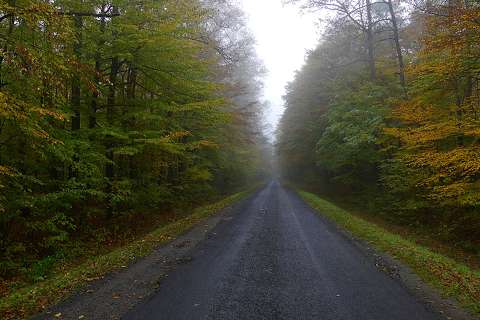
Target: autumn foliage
{"x":113,"y":113}
{"x":411,"y":154}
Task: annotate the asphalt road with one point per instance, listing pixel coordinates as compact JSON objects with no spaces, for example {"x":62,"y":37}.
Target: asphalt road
{"x":275,"y":258}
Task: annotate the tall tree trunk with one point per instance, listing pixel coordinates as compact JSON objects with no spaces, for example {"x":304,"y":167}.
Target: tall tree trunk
{"x":131,"y":87}
{"x":75,"y":99}
{"x":75,"y":95}
{"x":398,"y":48}
{"x":370,"y":42}
{"x":92,"y":119}
{"x":114,"y":68}
{"x":459,"y":90}
{"x":92,"y":122}
{"x":11,"y":25}
{"x":109,"y":167}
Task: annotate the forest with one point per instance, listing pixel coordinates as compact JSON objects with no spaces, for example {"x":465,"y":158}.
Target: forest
{"x":385,"y":114}
{"x":113,"y":113}
{"x":136,"y":142}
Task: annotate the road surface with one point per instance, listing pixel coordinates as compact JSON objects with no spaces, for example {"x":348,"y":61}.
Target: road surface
{"x":275,"y":258}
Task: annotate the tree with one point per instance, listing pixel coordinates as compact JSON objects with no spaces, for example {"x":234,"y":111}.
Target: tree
{"x":110,"y":109}
{"x":369,"y":18}
{"x":438,"y":125}
{"x":411,"y":157}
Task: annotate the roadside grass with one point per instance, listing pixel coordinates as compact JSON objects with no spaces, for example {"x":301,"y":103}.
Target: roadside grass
{"x":32,"y":299}
{"x":453,"y":279}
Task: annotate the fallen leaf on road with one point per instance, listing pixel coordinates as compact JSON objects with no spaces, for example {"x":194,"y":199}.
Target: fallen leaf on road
{"x":92,"y":279}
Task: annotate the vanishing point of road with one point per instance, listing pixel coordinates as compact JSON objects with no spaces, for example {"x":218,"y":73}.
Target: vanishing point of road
{"x":275,"y":258}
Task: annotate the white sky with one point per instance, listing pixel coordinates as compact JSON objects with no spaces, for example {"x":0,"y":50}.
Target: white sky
{"x":283,"y":36}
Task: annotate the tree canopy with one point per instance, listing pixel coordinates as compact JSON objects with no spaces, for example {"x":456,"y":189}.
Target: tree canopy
{"x":402,"y":139}
{"x":110,"y":109}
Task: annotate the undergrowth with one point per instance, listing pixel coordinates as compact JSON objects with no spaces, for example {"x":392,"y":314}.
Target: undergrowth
{"x":33,"y":298}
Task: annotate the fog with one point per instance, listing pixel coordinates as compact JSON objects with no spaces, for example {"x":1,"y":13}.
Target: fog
{"x":283,"y":34}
